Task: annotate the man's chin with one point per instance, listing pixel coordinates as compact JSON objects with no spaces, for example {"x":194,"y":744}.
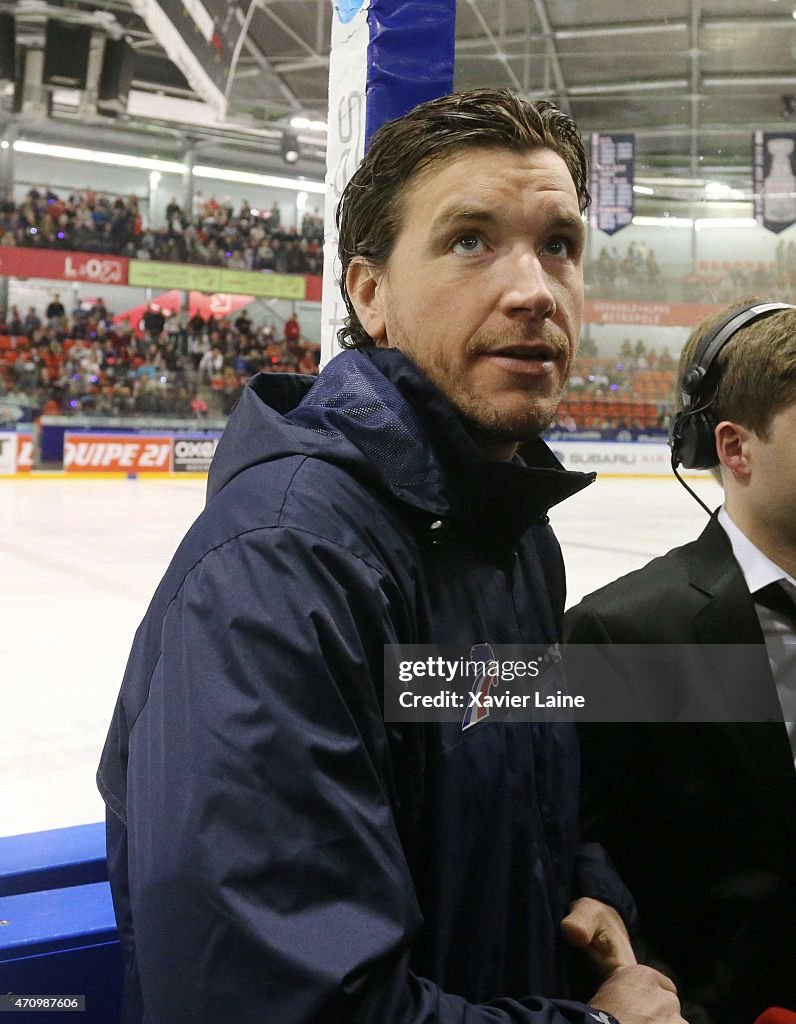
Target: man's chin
{"x":506,"y":429}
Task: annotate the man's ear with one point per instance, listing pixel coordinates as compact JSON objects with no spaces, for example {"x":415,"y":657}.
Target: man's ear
{"x":362,"y":281}
{"x":732,"y":446}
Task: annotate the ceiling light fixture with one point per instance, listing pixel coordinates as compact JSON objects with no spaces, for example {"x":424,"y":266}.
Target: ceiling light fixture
{"x":96,"y":156}
{"x":663,"y":222}
{"x":250,"y":178}
{"x":165,"y":166}
{"x":725,"y":222}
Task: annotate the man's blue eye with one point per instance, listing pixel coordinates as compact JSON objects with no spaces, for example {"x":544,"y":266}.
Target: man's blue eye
{"x":558,"y":246}
{"x":467,"y":243}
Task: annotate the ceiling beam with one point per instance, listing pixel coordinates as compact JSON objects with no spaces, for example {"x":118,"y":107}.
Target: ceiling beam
{"x":696,"y":14}
{"x":640,"y":28}
{"x":500,"y":56}
{"x":254,"y":50}
{"x":321,"y":35}
{"x":552,"y":54}
{"x":619,"y":88}
{"x":290,"y":32}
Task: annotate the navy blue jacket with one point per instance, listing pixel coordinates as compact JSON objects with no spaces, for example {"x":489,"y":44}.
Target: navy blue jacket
{"x":279,"y":854}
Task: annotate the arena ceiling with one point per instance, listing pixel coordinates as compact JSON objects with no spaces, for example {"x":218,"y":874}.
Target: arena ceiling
{"x":693,"y":79}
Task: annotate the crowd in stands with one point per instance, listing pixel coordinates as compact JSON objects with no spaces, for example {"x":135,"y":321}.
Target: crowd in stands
{"x":211,"y":233}
{"x":240,"y":236}
{"x":85,"y":363}
{"x":724,"y":281}
{"x":632,"y":275}
{"x":631,"y":391}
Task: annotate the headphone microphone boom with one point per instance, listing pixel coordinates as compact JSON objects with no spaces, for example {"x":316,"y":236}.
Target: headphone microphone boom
{"x":691,"y":437}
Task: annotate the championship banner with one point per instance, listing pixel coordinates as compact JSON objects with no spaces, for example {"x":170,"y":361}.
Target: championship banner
{"x":775,"y":182}
{"x":53,"y":264}
{"x":116,"y":453}
{"x":611,"y":182}
{"x":385,"y":59}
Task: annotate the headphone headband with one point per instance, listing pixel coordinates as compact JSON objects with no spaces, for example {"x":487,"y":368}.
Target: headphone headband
{"x":714,"y":342}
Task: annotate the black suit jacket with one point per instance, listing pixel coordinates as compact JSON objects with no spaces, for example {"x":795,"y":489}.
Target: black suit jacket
{"x":700,"y":818}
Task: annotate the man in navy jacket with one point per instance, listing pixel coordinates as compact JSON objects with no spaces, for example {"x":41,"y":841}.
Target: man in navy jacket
{"x":278,"y":852}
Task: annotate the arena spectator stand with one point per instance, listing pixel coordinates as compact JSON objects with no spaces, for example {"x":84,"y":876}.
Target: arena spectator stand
{"x":633,"y":273}
{"x":633,"y":391}
{"x":212,"y":233}
{"x":88,"y":364}
{"x":177,"y":367}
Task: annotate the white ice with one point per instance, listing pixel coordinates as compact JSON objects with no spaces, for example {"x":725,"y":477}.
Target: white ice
{"x":80,"y":559}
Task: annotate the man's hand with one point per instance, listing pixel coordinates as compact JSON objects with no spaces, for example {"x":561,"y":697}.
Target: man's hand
{"x":600,"y":931}
{"x":639,"y":995}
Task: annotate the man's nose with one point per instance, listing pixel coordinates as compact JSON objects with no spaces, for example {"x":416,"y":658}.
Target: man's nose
{"x":527,"y":288}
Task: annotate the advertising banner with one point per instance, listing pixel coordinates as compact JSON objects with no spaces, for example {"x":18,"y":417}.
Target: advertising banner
{"x":149,"y":274}
{"x":116,"y":453}
{"x":8,"y":454}
{"x":653,"y":314}
{"x":614,"y":458}
{"x":611,"y":181}
{"x":642,"y":435}
{"x":775,"y":182}
{"x":194,"y":454}
{"x":220,"y":304}
{"x":24,"y":453}
{"x":52,"y":264}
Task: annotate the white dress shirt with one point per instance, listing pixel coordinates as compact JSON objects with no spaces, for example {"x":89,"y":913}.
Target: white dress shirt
{"x":778,"y":632}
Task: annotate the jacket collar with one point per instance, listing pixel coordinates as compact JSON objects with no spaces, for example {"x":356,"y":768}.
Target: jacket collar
{"x":416,"y":443}
{"x":713,"y":570}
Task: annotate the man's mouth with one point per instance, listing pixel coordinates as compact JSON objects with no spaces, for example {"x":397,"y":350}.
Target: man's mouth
{"x":529,"y":351}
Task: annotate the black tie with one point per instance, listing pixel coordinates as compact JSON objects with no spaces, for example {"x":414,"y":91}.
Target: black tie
{"x":776,"y":598}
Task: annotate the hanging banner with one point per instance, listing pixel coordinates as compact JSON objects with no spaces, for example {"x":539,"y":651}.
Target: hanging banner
{"x":385,"y":59}
{"x":611,"y":182}
{"x":775,"y":182}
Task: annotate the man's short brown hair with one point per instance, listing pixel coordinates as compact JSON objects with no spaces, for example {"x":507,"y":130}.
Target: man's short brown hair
{"x":754,"y":375}
{"x":370,"y":208}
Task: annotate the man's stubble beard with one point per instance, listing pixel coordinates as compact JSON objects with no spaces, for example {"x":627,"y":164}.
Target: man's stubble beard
{"x":485,"y":421}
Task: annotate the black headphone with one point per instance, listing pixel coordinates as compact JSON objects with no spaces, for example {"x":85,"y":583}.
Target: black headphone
{"x":691,"y":437}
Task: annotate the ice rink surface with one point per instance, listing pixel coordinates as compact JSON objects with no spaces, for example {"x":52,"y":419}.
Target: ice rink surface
{"x":80,"y":560}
